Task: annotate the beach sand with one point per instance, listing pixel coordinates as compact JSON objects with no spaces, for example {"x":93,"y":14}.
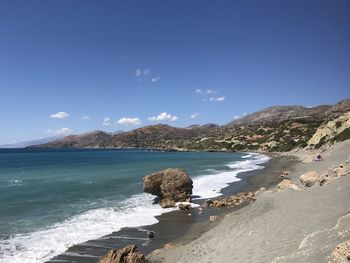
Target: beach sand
{"x":280,"y":226}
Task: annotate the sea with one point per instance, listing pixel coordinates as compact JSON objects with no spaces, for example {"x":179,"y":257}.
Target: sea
{"x":52,"y":199}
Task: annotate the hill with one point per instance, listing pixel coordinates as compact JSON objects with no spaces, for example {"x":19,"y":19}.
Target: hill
{"x":277,"y":128}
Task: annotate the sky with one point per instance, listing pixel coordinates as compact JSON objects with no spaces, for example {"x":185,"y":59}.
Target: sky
{"x":76,"y":66}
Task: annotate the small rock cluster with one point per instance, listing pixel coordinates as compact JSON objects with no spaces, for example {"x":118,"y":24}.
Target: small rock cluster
{"x":335,"y":172}
{"x":128,"y":254}
{"x":233,"y":200}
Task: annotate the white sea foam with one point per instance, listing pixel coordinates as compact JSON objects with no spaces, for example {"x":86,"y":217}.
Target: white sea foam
{"x":209,"y":186}
{"x":41,"y":245}
{"x":11,"y":183}
{"x":44,"y":244}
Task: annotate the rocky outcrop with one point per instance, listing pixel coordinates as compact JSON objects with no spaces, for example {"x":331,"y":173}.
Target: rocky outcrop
{"x":233,"y":200}
{"x":171,"y":185}
{"x":128,"y":254}
{"x":329,"y":131}
{"x":309,"y":178}
{"x":341,"y":253}
{"x":334,"y":172}
{"x":287,"y":184}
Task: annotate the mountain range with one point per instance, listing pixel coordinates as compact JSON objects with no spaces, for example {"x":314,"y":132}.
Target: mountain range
{"x":277,"y":128}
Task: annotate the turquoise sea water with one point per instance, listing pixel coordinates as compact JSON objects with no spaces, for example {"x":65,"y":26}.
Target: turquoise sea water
{"x":52,"y":199}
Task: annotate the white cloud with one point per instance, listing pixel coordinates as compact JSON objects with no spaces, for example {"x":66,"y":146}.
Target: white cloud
{"x":205,"y":92}
{"x":60,"y":132}
{"x":217,"y":98}
{"x":129,"y":121}
{"x":106,"y":121}
{"x":59,"y":115}
{"x":163,"y":117}
{"x":143,"y":72}
{"x":146,"y":74}
{"x":155,"y":79}
{"x":194,"y":115}
{"x":198,"y":91}
{"x":210,"y":91}
{"x":86,"y":117}
{"x":138,"y":72}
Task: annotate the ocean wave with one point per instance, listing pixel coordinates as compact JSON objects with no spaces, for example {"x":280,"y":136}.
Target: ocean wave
{"x":11,"y":183}
{"x":41,"y":245}
{"x":209,"y":186}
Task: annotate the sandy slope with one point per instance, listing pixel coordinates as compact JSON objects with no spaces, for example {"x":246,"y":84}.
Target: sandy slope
{"x":285,"y":226}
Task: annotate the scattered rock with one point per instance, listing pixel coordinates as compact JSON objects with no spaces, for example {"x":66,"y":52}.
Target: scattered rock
{"x":284,"y":174}
{"x":234,"y":200}
{"x":214,"y":218}
{"x":128,"y":254}
{"x":287,"y":184}
{"x":150,"y":234}
{"x":184,"y":206}
{"x":341,"y":253}
{"x":324,"y":180}
{"x":166,"y":203}
{"x":309,"y":178}
{"x":207,"y":203}
{"x":171,"y":185}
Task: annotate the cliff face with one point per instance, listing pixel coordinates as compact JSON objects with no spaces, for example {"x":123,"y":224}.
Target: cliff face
{"x":337,"y":129}
{"x":278,"y":128}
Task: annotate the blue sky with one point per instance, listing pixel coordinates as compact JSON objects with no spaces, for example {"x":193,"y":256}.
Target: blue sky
{"x":131,"y":61}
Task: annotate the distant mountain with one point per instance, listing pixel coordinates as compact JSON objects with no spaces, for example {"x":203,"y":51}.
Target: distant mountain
{"x":282,"y":113}
{"x":278,"y":128}
{"x":87,"y":139}
{"x":31,"y":142}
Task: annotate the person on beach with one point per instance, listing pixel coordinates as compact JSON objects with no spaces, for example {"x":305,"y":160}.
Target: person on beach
{"x":318,"y":158}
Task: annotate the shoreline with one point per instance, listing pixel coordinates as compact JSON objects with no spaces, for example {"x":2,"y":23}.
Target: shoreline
{"x":304,"y":225}
{"x":187,"y":227}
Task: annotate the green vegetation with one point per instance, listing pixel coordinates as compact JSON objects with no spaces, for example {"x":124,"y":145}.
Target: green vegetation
{"x":344,"y":135}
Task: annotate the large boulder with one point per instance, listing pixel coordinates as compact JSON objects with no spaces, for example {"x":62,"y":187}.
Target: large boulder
{"x":309,"y":178}
{"x":171,"y":185}
{"x":128,"y":254}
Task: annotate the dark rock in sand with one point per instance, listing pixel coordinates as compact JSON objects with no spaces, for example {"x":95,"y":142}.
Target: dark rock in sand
{"x":171,"y":185}
{"x":150,"y":234}
{"x":128,"y":254}
{"x":207,"y":203}
{"x":184,"y":206}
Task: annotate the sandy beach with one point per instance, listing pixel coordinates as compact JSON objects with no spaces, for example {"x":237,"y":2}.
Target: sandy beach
{"x":304,"y":225}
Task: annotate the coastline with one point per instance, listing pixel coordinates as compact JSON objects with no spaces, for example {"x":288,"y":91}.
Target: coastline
{"x":186,"y":226}
{"x":307,"y":225}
